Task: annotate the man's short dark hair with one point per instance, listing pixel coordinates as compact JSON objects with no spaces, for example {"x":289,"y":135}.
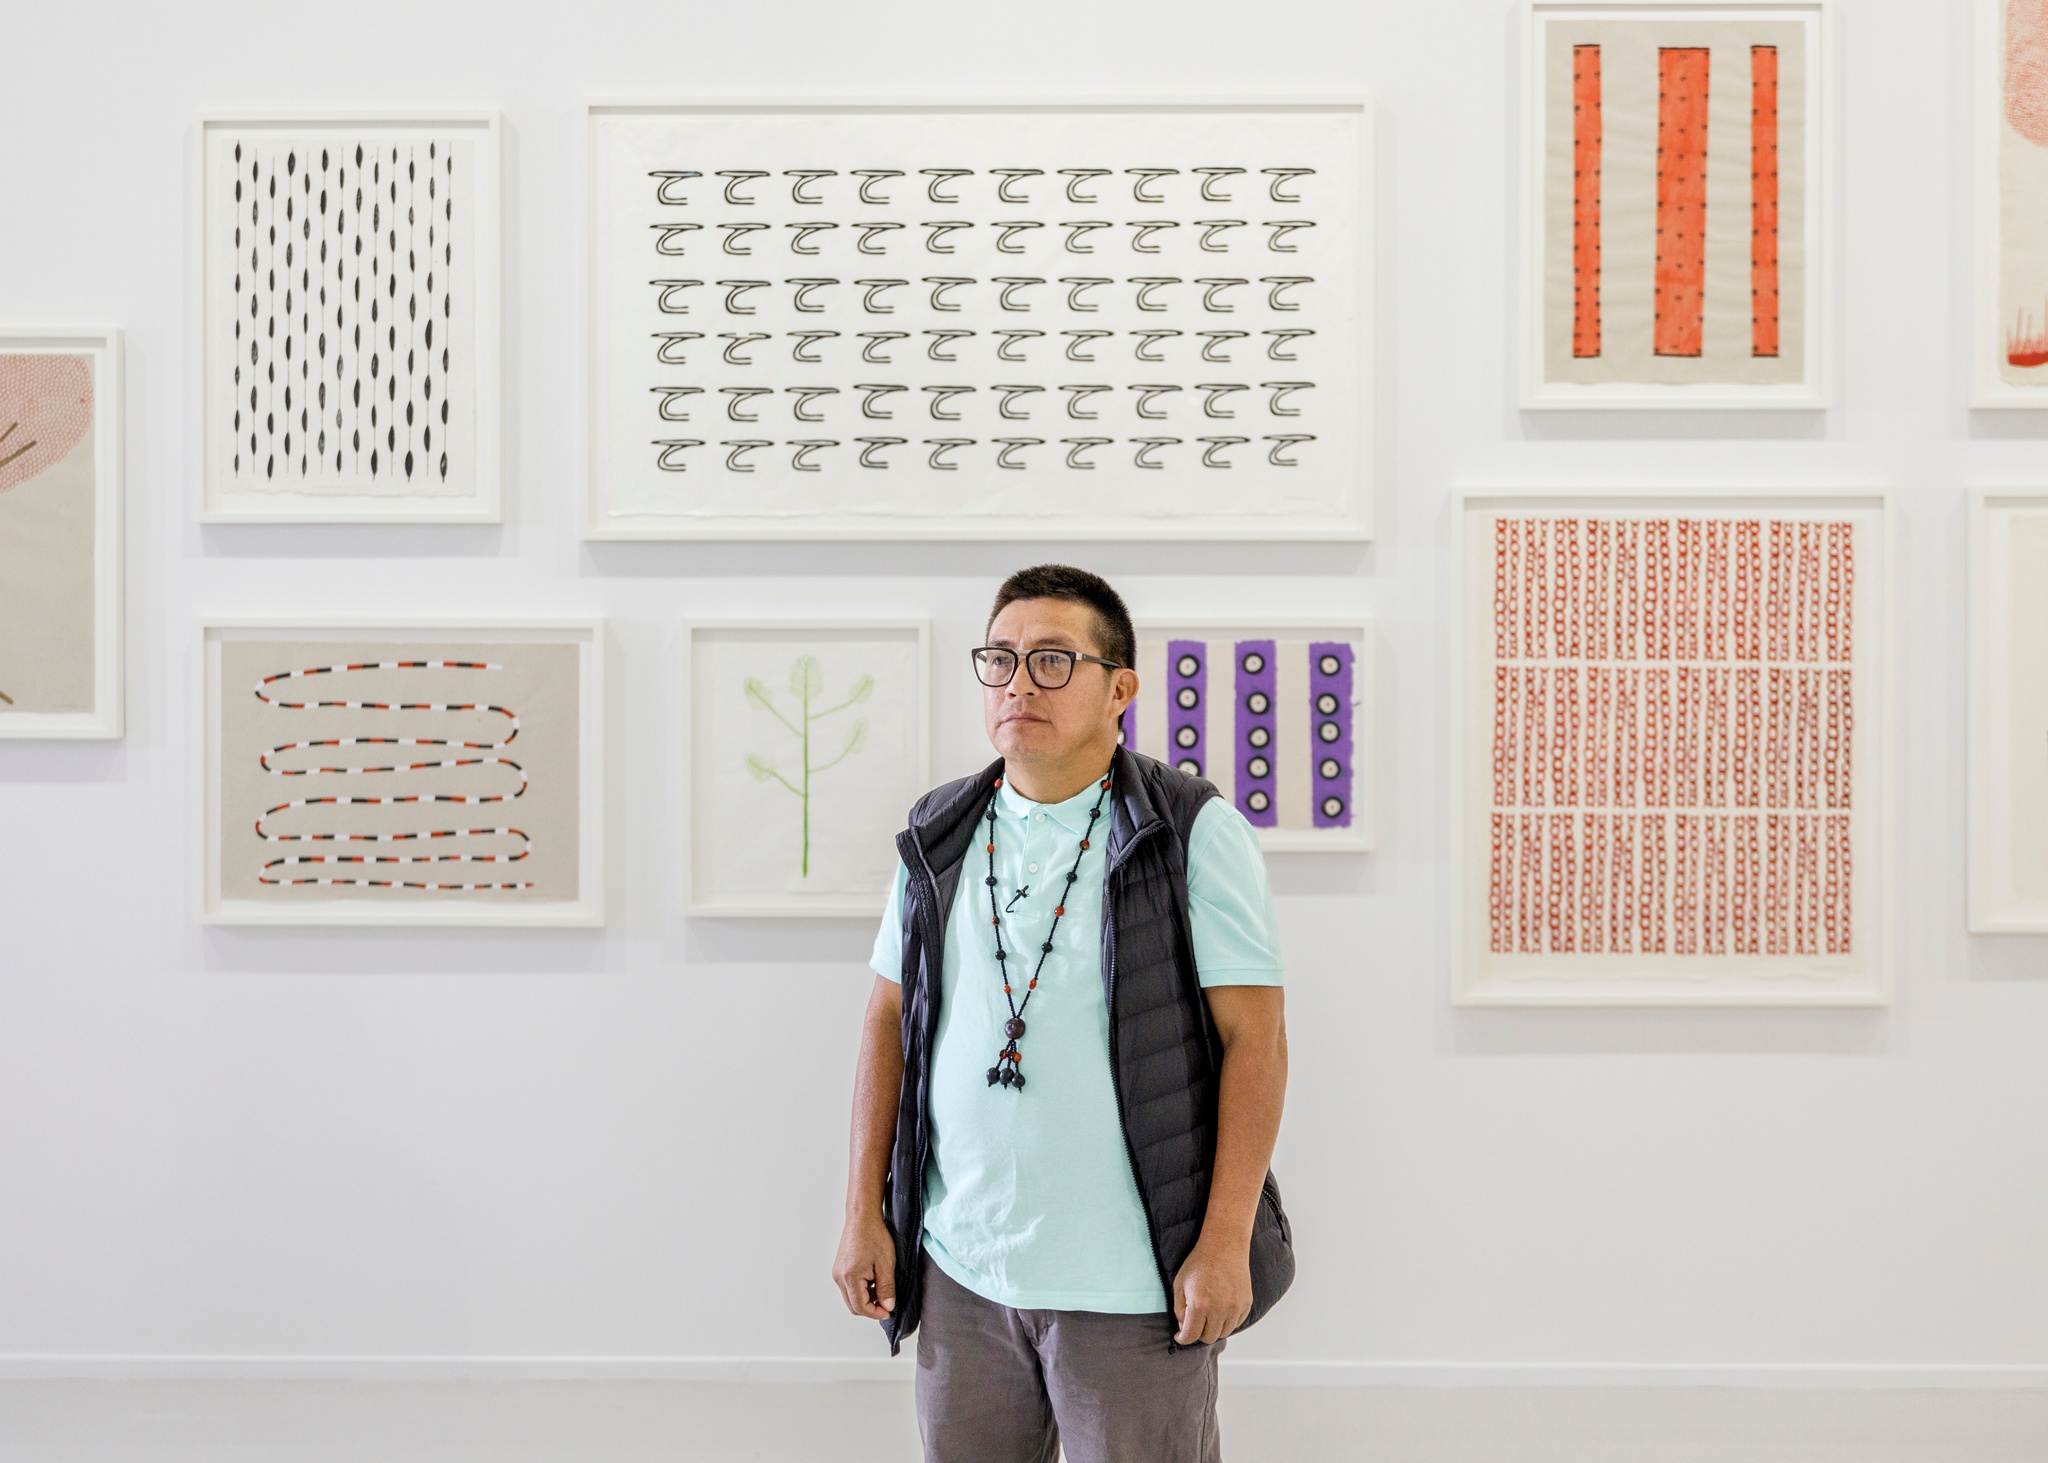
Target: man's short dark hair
{"x":1113,"y":633}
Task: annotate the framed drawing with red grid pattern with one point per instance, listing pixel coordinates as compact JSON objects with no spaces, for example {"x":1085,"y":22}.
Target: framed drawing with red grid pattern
{"x":1675,"y":202}
{"x":1672,"y":748}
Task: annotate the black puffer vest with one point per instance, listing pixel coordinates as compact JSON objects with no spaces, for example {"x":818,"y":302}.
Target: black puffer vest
{"x":1164,"y":1053}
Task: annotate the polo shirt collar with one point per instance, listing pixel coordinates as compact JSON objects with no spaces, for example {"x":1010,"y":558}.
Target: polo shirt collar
{"x":1071,"y":815}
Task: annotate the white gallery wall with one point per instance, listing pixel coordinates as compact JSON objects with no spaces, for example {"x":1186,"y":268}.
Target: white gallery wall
{"x":574,"y":1147}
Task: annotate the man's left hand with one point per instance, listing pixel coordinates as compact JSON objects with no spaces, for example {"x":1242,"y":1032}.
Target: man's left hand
{"x":1213,"y":1292}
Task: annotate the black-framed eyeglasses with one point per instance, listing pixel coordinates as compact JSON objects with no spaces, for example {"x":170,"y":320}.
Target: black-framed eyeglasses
{"x":996,"y":665}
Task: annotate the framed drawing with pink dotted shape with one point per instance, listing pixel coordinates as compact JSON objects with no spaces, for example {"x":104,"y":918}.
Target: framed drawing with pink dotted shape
{"x":60,"y":533}
{"x":1672,"y":750}
{"x":1276,"y":712}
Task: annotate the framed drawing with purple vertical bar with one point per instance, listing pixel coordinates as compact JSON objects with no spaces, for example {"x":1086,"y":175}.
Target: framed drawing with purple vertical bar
{"x":60,"y":533}
{"x":1675,"y":201}
{"x":346,"y":289}
{"x":1277,"y":712}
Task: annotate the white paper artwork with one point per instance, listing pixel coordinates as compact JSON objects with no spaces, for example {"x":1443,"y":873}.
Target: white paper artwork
{"x":966,"y":322}
{"x":2009,"y":713}
{"x":808,"y":744}
{"x":1672,"y":755}
{"x":1278,"y":715}
{"x":349,"y":286}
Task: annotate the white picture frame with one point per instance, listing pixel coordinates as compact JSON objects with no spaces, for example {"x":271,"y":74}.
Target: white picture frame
{"x":1294,"y":791}
{"x":1989,"y":342}
{"x":1857,"y":972}
{"x":731,"y":830}
{"x":645,"y":479}
{"x":216,"y":897}
{"x":103,"y":719}
{"x":464,"y":399}
{"x":1542,"y":387}
{"x":1998,"y":905}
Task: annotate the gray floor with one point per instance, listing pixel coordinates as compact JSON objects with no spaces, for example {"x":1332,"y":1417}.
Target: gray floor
{"x":613,"y":1422}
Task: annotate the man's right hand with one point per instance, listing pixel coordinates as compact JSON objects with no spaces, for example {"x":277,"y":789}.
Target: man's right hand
{"x":865,"y":1268}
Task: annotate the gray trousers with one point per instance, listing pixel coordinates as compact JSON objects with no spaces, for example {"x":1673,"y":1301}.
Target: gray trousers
{"x":997,"y":1385}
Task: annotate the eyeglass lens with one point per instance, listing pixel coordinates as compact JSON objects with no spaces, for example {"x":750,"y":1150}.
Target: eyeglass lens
{"x":1049,"y":669}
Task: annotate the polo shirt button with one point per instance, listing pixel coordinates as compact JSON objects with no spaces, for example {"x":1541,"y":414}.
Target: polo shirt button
{"x":1031,"y":868}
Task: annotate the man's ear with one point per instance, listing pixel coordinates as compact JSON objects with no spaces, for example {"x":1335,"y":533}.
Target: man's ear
{"x":1124,"y":688}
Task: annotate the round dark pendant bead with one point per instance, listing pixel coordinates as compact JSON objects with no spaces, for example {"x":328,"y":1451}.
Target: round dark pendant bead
{"x":1017,"y":1080}
{"x":1014,"y":1027}
{"x":1008,"y":1076}
{"x":994,"y":1075}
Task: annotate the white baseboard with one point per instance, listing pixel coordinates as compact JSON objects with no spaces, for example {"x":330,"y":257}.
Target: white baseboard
{"x":787,"y":1370}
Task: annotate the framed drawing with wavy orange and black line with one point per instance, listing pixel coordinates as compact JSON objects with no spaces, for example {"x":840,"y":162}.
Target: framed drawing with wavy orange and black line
{"x":1675,"y":205}
{"x":389,"y":772}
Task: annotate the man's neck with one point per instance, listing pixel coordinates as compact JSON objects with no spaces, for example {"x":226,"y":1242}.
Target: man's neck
{"x":1055,"y":782}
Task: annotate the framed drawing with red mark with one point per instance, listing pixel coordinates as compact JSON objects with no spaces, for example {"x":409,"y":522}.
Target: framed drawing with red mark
{"x":60,"y":533}
{"x":1673,"y":748}
{"x":394,"y":772}
{"x":2009,"y":711}
{"x":2009,"y":336}
{"x":1675,"y":205}
{"x":1277,"y":712}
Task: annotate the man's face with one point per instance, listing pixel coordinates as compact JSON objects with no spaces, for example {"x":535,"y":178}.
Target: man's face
{"x":1028,"y":724}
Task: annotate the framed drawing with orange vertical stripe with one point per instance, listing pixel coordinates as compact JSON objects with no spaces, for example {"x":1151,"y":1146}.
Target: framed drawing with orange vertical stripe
{"x":1675,"y":206}
{"x":2009,"y":334}
{"x":1672,"y":748}
{"x":1277,"y":712}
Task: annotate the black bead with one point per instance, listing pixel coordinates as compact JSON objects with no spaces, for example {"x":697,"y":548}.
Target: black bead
{"x":994,"y":1073}
{"x":990,"y":881}
{"x":1008,"y":1076}
{"x":1046,"y":947}
{"x":1071,"y":877}
{"x":1014,"y":1027}
{"x":1017,"y":1081}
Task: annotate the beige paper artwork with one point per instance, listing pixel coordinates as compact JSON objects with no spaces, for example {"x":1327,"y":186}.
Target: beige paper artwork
{"x":399,"y":772}
{"x":46,"y":533}
{"x":1675,"y":202}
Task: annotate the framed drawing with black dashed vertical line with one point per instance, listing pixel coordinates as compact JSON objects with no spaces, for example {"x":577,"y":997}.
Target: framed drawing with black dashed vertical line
{"x":1277,"y":713}
{"x":348,"y":332}
{"x":977,"y":319}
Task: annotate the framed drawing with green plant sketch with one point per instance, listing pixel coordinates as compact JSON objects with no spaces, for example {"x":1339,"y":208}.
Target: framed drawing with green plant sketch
{"x":808,"y":742}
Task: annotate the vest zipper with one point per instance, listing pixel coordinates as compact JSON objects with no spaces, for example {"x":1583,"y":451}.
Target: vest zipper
{"x":1116,"y":1083}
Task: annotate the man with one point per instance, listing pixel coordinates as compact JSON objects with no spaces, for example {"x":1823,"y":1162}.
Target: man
{"x":1071,"y":1072}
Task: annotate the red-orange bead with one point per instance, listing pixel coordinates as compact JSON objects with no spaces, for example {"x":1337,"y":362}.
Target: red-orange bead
{"x":992,"y":848}
{"x":1059,"y":909}
{"x":1084,"y":843}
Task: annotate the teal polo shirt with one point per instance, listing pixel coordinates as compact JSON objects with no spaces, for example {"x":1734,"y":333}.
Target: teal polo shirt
{"x":1029,"y":1197}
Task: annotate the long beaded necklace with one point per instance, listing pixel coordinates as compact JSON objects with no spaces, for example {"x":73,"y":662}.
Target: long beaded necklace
{"x":1006,"y":1069}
